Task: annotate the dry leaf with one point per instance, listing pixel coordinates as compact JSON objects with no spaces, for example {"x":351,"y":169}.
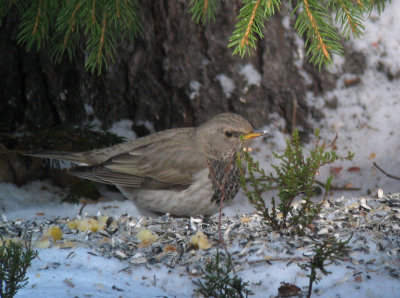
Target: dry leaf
{"x":335,"y":170}
{"x":352,"y":82}
{"x":287,"y":290}
{"x":69,"y":283}
{"x":358,"y":278}
{"x":353,"y":169}
{"x":169,"y":248}
{"x":348,"y":185}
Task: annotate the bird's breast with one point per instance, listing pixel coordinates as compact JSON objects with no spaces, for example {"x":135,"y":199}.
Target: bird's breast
{"x":225,"y":180}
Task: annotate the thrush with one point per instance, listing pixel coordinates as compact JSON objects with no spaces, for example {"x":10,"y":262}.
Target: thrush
{"x":183,"y":171}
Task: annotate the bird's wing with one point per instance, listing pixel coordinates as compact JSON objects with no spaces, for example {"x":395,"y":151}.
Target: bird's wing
{"x":162,"y":163}
{"x":97,"y":156}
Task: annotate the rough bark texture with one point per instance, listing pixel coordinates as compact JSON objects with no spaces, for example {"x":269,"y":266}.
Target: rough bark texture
{"x":156,"y":77}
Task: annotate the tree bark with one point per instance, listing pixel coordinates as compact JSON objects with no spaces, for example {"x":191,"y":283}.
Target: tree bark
{"x":173,"y":76}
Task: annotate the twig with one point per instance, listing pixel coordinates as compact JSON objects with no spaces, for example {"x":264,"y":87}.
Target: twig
{"x":83,"y":206}
{"x":222,"y":199}
{"x":290,"y":259}
{"x":294,"y":113}
{"x":224,"y":180}
{"x":387,"y":174}
{"x":337,"y":187}
{"x":221,"y":239}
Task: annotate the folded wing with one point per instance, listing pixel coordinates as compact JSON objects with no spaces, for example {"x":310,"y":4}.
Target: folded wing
{"x":162,"y":164}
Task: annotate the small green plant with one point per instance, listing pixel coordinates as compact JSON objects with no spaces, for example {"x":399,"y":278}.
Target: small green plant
{"x":324,"y":254}
{"x":15,"y":258}
{"x":294,"y":178}
{"x":218,"y":281}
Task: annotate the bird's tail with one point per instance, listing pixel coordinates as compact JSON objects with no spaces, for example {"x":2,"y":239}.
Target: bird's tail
{"x":61,"y":155}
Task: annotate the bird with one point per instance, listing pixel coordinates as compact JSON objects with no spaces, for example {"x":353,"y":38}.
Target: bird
{"x":182,"y":171}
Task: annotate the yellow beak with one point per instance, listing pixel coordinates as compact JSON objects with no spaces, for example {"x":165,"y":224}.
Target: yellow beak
{"x":253,"y":135}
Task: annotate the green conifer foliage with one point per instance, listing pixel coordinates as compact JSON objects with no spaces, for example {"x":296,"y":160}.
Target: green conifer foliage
{"x":99,"y":25}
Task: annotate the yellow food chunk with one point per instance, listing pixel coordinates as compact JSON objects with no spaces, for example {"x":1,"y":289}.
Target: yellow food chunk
{"x":200,"y":241}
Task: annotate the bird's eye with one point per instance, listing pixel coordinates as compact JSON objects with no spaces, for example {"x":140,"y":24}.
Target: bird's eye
{"x":228,"y":133}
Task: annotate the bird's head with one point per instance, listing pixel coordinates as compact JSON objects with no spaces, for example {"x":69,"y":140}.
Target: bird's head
{"x":226,"y":134}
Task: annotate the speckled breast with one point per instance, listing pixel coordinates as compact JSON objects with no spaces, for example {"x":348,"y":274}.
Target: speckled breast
{"x":219,"y":170}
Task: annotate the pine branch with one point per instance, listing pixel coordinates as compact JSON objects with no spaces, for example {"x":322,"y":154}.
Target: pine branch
{"x":93,"y":11}
{"x":245,"y":40}
{"x":252,"y":17}
{"x":5,"y":7}
{"x":349,"y":16}
{"x":35,"y":24}
{"x":317,"y":31}
{"x":101,"y":43}
{"x":314,"y":22}
{"x":98,"y":25}
{"x":321,"y":37}
{"x":117,"y":9}
{"x":203,"y":10}
{"x":67,"y":31}
{"x":351,"y":21}
{"x":378,"y":4}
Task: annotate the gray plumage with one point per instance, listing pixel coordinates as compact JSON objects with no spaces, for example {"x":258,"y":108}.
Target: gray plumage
{"x":169,"y":171}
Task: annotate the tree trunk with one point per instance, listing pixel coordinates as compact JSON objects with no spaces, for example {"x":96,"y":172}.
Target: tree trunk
{"x":177,"y":74}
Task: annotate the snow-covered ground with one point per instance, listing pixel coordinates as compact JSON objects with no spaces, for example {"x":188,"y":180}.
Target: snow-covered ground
{"x":367,"y":121}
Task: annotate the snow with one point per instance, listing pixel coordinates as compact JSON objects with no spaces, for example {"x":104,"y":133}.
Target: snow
{"x":89,"y":109}
{"x":84,"y":275}
{"x":252,"y":76}
{"x":41,"y":197}
{"x":123,"y":128}
{"x":226,"y":84}
{"x":56,"y":274}
{"x":149,"y":126}
{"x":367,"y":122}
{"x":194,"y":89}
{"x":381,"y":39}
